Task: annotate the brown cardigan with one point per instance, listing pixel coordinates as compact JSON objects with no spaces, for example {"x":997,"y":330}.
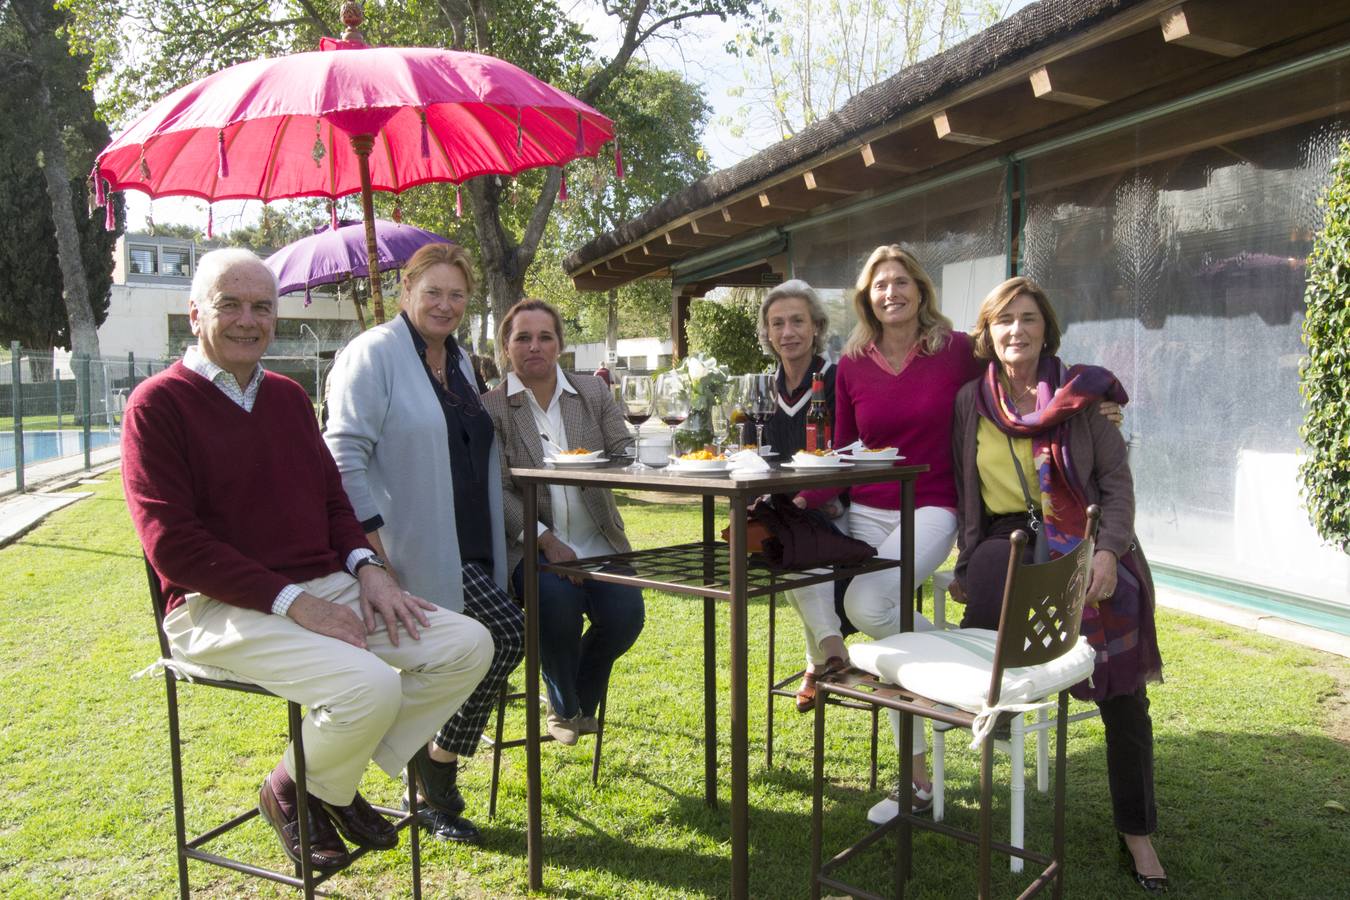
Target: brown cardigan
{"x":1099,"y":457}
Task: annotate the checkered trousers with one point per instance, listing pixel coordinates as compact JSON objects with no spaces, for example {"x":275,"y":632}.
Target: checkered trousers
{"x":499,"y":614}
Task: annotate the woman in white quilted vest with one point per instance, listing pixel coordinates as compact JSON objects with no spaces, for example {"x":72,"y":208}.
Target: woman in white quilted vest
{"x":1032,"y":453}
{"x":535,"y":404}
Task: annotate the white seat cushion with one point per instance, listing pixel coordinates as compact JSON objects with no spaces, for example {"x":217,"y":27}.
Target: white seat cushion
{"x":954,"y":668}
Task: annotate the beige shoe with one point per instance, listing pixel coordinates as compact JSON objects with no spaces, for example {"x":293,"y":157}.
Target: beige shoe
{"x":588,"y":725}
{"x":564,"y":731}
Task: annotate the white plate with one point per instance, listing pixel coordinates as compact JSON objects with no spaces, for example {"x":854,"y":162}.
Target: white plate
{"x":870,"y":460}
{"x":698,"y":463}
{"x":577,"y":462}
{"x":809,"y":466}
{"x":710,"y":470}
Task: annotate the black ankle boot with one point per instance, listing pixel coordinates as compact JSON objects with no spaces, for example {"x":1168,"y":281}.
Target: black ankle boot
{"x":438,"y":783}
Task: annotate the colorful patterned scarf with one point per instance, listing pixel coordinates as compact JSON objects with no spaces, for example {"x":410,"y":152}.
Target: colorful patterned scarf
{"x":1118,"y":628}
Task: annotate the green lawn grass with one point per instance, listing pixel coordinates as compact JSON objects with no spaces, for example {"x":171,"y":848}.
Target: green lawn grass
{"x":1251,"y":738}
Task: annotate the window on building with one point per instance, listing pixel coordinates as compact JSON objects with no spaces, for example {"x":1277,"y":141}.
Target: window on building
{"x":176,"y":261}
{"x":143,"y":260}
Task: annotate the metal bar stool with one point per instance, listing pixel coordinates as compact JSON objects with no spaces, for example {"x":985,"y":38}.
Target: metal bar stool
{"x":784,"y":688}
{"x":305,"y":877}
{"x":499,"y":744}
{"x":935,"y":674}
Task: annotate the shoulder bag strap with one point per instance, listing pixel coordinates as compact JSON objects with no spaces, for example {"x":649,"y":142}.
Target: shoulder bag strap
{"x":1041,"y":550}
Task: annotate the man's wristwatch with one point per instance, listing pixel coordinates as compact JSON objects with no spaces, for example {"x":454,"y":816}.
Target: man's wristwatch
{"x":373,"y":559}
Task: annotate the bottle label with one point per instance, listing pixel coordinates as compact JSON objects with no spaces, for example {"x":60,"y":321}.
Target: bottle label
{"x":812,"y":437}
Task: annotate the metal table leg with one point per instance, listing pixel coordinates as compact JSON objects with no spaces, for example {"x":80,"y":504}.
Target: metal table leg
{"x":740,"y":725}
{"x":534,"y":848}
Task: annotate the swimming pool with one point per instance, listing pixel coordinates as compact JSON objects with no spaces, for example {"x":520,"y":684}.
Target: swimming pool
{"x":43,"y":445}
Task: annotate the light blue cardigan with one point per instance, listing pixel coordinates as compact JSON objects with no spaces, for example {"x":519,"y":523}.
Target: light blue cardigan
{"x":386,"y":431}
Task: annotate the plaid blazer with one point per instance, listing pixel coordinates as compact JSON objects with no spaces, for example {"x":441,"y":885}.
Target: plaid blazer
{"x":592,"y":419}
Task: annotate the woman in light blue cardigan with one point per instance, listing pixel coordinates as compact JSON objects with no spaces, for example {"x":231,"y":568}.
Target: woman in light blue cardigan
{"x":420,"y":464}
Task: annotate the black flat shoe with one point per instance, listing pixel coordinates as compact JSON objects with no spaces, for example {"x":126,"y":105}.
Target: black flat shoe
{"x":1152,"y":884}
{"x":448,"y":828}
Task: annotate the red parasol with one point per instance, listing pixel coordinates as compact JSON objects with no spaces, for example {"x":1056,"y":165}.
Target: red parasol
{"x":330,"y":124}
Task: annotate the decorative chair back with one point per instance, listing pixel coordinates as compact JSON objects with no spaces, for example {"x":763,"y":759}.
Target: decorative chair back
{"x":1042,"y":605}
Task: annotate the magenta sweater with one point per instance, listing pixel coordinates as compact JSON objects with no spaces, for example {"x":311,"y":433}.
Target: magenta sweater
{"x":233,"y":504}
{"x":912,"y":411}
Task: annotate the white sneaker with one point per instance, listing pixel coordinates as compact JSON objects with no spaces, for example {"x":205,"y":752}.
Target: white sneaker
{"x":889,"y":807}
{"x":564,"y":731}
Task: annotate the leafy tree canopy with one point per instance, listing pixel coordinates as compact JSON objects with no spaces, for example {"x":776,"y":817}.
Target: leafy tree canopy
{"x":32,"y":309}
{"x":1325,"y":374}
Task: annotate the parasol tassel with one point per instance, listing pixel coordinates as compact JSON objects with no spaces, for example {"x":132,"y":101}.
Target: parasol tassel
{"x":223,"y":165}
{"x":459,"y":204}
{"x":562,"y":189}
{"x":308,"y":301}
{"x":210,"y":222}
{"x":100,"y":189}
{"x":581,"y":135}
{"x":332,"y":214}
{"x":618,"y":159}
{"x":426,"y":137}
{"x":109,"y":220}
{"x":398,"y":212}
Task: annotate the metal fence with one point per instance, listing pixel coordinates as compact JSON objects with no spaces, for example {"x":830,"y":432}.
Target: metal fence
{"x":57,"y":406}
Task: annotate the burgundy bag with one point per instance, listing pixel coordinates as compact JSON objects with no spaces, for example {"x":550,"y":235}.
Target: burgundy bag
{"x":804,"y":538}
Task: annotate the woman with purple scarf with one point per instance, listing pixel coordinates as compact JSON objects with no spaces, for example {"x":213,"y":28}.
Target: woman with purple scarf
{"x":1031,"y":453}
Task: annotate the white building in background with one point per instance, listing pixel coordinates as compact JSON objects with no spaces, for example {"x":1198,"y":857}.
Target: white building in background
{"x":637,"y":354}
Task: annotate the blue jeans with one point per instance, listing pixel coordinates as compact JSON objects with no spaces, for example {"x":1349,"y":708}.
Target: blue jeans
{"x":576,"y":666}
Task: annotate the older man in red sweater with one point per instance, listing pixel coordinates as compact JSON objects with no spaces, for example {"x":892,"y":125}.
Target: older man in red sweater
{"x":268,"y":574}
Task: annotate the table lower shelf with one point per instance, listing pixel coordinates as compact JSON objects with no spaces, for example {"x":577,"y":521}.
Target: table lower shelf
{"x":704,"y":570}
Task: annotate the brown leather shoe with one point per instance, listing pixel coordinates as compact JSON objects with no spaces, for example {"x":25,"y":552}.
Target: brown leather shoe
{"x":806,"y":694}
{"x":361,"y":824}
{"x":326,"y":850}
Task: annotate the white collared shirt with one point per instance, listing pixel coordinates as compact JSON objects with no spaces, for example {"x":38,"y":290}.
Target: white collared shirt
{"x":195,"y":359}
{"x":572,"y":522}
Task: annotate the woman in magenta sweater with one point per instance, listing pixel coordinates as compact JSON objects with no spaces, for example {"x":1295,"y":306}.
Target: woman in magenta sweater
{"x":896,"y":387}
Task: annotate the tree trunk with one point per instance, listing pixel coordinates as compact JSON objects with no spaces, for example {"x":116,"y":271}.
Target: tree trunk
{"x":612,"y":326}
{"x":74,"y":284}
{"x":505,"y":261}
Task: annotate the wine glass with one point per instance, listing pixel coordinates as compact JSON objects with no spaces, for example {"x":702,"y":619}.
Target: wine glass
{"x":761,"y":399}
{"x":720,"y":415}
{"x":672,"y":399}
{"x":735,"y":404}
{"x":635,"y":391}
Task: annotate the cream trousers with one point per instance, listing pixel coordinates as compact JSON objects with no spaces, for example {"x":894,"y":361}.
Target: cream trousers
{"x":873,"y":601}
{"x":378,"y":704}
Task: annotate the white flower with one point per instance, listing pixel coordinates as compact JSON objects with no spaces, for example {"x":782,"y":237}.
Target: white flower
{"x":696,"y":368}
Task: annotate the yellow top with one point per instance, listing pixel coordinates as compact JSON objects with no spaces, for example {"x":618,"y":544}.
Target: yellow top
{"x":999,"y":488}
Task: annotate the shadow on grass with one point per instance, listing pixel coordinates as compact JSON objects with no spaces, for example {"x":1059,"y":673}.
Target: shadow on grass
{"x":1261,"y":823}
{"x":74,"y":549}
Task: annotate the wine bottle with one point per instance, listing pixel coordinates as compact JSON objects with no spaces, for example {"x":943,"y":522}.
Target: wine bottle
{"x":819,"y":427}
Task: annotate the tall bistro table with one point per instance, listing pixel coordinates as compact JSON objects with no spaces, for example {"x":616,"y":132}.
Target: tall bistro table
{"x":713,"y":570}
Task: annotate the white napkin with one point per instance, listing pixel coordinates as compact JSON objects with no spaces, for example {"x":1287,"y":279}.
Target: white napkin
{"x":747,"y":461}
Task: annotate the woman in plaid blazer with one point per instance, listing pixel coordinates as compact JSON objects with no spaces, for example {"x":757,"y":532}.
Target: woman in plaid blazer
{"x":535,"y":404}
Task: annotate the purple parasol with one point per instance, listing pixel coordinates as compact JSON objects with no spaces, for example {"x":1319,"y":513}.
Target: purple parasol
{"x":330,"y":256}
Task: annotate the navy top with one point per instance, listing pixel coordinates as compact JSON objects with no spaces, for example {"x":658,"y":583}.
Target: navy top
{"x":468,"y":429}
{"x":786,"y":430}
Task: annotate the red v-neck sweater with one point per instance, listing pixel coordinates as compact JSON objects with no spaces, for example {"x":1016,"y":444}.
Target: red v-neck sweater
{"x":233,"y":504}
{"x":912,"y":411}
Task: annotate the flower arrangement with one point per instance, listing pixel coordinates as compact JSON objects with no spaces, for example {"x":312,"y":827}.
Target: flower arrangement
{"x":708,"y":383}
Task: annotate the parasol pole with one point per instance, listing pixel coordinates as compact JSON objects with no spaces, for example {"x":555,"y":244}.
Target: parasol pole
{"x":362,"y":144}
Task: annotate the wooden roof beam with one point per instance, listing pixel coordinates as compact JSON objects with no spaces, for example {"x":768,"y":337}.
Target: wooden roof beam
{"x":1047,"y":85}
{"x":685,"y":236}
{"x":883,"y":159}
{"x":1204,"y":27}
{"x":713,"y":226}
{"x":593,"y":281}
{"x":820,"y":184}
{"x":748,"y":213}
{"x":780,"y":201}
{"x":948,"y":125}
{"x":659,"y":250}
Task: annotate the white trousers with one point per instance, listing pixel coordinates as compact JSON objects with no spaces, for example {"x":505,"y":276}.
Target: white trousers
{"x":360,"y":709}
{"x":872,"y":602}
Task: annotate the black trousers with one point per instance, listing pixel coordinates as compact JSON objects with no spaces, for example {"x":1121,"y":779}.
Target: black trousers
{"x":1129,"y":729}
